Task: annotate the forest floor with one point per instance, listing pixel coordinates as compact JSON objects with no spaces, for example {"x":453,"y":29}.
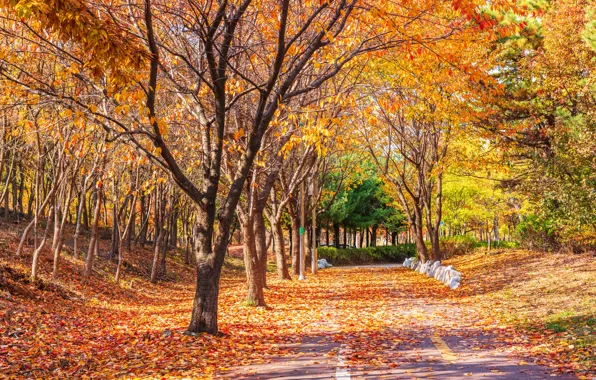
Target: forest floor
{"x":518,"y":314}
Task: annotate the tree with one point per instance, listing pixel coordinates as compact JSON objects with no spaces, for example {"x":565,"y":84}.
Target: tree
{"x":541,"y":123}
{"x":196,"y":63}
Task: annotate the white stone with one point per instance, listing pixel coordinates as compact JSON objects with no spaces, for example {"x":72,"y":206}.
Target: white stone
{"x":433,"y":268}
{"x":442,"y":274}
{"x":446,"y":274}
{"x":430,"y":271}
{"x":454,"y":284}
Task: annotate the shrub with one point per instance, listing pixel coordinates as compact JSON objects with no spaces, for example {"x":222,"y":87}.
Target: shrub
{"x":537,"y":233}
{"x":367,"y":255}
{"x":463,"y":244}
{"x":457,"y":245}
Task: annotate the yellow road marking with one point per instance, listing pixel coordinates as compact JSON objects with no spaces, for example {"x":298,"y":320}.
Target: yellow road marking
{"x":445,"y":351}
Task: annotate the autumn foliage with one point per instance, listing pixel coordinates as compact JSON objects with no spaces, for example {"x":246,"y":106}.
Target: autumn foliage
{"x":141,"y":140}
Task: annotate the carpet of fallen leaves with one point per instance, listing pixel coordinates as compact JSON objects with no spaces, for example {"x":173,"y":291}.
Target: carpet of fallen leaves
{"x":72,"y":329}
{"x":547,"y":301}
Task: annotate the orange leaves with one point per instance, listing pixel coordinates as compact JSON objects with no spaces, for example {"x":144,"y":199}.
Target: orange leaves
{"x":239,"y":134}
{"x":104,"y":42}
{"x":372,"y":318}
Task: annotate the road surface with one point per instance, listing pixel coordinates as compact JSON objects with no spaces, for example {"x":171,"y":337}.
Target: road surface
{"x":375,"y":324}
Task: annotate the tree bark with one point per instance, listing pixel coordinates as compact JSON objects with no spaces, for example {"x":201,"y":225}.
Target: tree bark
{"x":295,"y":244}
{"x":261,"y":245}
{"x":156,"y":255}
{"x":254,"y":278}
{"x":93,"y":244}
{"x":280,"y":254}
{"x":36,"y":253}
{"x":82,"y":201}
{"x":60,"y":243}
{"x":336,"y":235}
{"x":373,"y":236}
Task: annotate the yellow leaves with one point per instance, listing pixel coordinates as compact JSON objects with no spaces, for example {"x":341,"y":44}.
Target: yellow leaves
{"x":74,"y":69}
{"x":122,"y":109}
{"x":67,"y":113}
{"x":79,"y":120}
{"x":162,"y":126}
{"x":108,"y":47}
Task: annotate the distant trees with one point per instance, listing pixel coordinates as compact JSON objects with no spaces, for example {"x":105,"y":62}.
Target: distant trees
{"x":361,"y":209}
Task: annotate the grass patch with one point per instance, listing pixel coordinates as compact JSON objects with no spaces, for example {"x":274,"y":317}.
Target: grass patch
{"x":556,"y":327}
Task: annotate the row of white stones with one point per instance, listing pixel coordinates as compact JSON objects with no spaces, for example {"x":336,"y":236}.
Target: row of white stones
{"x":446,"y":274}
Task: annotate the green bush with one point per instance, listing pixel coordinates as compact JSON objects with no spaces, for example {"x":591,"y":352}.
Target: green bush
{"x":463,"y":244}
{"x":382,"y":254}
{"x":538,"y":233}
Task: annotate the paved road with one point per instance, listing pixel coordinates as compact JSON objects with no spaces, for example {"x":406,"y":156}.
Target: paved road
{"x":409,"y":336}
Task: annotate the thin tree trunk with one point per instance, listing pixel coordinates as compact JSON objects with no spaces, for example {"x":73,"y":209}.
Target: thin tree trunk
{"x":336,"y":235}
{"x":82,"y":202}
{"x":125,"y":236}
{"x":261,"y":245}
{"x":295,"y":244}
{"x":35,"y":260}
{"x":58,"y":249}
{"x":94,"y":242}
{"x":156,"y":254}
{"x":280,"y":253}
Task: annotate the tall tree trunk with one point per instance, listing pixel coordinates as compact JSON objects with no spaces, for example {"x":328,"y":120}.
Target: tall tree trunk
{"x":86,"y":210}
{"x":280,"y":252}
{"x":173,"y":240}
{"x":164,"y":251}
{"x":185,"y":227}
{"x":60,"y":244}
{"x":373,"y":236}
{"x":261,"y":245}
{"x":419,"y":237}
{"x":156,"y":255}
{"x":435,"y":245}
{"x":252,"y":264}
{"x":209,"y":263}
{"x":125,"y":236}
{"x":115,"y":239}
{"x":145,"y":210}
{"x":336,"y":235}
{"x":296,"y":244}
{"x":93,"y":244}
{"x":82,"y":202}
{"x":307,"y":246}
{"x":38,"y":249}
